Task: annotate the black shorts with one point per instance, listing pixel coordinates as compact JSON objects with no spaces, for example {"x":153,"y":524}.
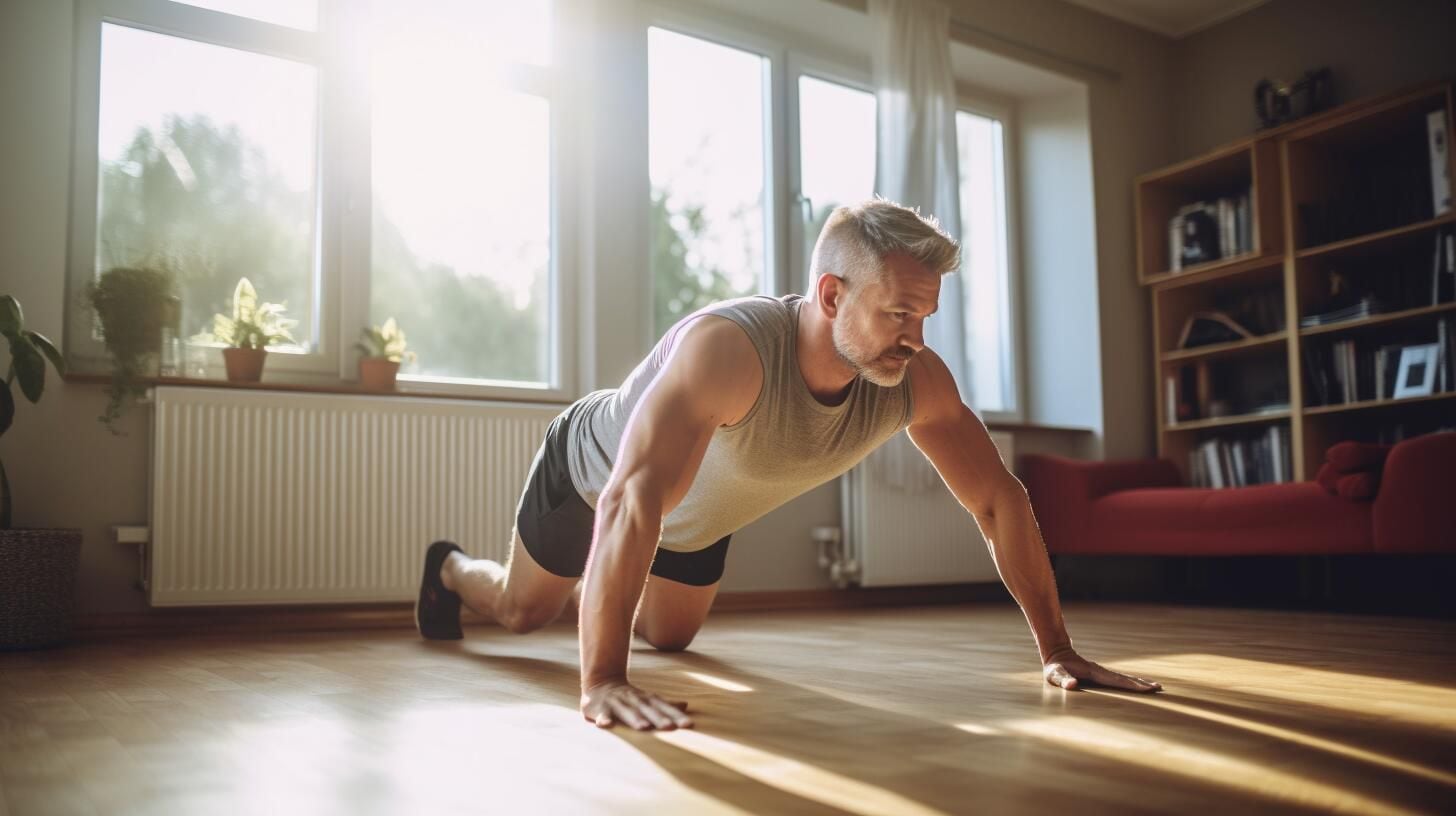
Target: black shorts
{"x":555,"y":522}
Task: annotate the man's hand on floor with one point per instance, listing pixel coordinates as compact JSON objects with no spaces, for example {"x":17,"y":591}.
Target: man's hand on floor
{"x":617,"y":701}
{"x":1066,"y":669}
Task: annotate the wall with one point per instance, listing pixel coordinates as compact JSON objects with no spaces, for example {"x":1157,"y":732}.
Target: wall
{"x":1371,"y":48}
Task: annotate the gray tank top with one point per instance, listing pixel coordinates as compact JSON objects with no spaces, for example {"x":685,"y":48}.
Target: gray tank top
{"x":787,"y":444}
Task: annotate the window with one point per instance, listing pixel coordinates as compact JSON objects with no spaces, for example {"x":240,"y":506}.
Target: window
{"x":986,"y":282}
{"x":707,"y":164}
{"x":237,"y":143}
{"x":836,"y":153}
{"x":206,"y":166}
{"x":461,"y":181}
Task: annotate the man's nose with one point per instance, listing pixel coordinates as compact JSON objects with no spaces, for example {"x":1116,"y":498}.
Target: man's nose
{"x":914,"y":336}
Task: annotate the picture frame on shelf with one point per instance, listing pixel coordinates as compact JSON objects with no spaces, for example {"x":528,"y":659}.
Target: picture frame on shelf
{"x":1416,"y":376}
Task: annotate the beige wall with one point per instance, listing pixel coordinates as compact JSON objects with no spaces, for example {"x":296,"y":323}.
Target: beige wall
{"x":67,"y":471}
{"x":1371,"y":48}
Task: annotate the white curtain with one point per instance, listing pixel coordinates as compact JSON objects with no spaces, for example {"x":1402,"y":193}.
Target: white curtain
{"x":915,"y":165}
{"x":915,"y":162}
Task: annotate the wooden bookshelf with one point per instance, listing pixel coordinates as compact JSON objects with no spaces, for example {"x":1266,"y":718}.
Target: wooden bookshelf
{"x":1313,"y":228}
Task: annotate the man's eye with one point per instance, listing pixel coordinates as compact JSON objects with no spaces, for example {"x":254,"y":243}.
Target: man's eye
{"x":899,"y":315}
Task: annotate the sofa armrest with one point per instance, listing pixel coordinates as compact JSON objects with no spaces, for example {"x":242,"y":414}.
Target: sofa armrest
{"x":1062,"y":490}
{"x":1413,"y":511}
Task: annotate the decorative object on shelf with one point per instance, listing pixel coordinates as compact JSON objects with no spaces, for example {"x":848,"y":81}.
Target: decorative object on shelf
{"x":38,"y":577}
{"x":1417,"y":377}
{"x":1278,"y":101}
{"x":1438,"y":147}
{"x":1206,"y":328}
{"x":248,"y":333}
{"x":383,"y":349}
{"x":138,"y":311}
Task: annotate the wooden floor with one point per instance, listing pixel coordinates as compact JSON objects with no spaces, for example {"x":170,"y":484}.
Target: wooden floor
{"x":915,"y":711}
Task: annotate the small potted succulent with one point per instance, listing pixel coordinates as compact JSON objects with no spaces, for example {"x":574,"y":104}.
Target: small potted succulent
{"x":247,"y":334}
{"x":383,"y":349}
{"x":135,"y":305}
{"x":37,"y":567}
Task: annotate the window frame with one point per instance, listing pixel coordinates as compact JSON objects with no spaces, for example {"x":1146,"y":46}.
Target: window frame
{"x":343,"y":205}
{"x":985,"y":104}
{"x":211,"y":28}
{"x":850,"y":74}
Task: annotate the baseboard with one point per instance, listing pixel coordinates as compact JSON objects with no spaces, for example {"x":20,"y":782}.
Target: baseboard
{"x":264,"y":620}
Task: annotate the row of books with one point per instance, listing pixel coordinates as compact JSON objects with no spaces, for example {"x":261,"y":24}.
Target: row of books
{"x":1348,"y":371}
{"x":1399,"y":181}
{"x":1239,"y":462}
{"x":1409,"y":285}
{"x":1209,"y":230}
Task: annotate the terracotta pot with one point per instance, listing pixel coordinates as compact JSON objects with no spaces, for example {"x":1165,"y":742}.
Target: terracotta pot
{"x":37,"y":586}
{"x":377,"y":373}
{"x":244,"y":364}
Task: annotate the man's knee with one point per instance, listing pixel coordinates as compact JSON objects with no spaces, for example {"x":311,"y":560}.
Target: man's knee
{"x":525,"y":618}
{"x":667,"y":639}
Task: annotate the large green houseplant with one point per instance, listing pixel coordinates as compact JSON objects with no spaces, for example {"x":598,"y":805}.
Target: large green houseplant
{"x":37,"y":567}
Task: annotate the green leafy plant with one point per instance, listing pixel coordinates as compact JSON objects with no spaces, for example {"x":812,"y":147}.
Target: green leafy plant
{"x":253,"y":325}
{"x":28,"y":352}
{"x":385,"y":341}
{"x":133,"y":305}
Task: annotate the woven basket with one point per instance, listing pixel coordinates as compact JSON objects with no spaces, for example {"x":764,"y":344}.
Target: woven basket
{"x":37,"y":586}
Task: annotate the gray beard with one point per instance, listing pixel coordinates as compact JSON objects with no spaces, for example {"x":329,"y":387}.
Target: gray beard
{"x":880,"y":377}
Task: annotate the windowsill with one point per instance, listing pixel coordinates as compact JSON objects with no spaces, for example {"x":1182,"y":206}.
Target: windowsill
{"x":1036,"y":426}
{"x":403,"y":390}
{"x":408,"y":390}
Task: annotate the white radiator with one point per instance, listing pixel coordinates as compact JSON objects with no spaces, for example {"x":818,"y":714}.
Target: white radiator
{"x":268,"y":497}
{"x":903,"y":526}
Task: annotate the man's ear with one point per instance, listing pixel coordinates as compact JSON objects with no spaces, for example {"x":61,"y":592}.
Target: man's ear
{"x":829,"y":290}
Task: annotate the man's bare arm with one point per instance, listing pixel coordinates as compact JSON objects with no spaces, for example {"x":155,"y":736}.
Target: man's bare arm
{"x":955,"y":441}
{"x":712,"y":378}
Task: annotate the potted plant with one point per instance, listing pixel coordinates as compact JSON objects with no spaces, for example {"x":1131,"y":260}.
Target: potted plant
{"x":135,"y":306}
{"x":248,"y":333}
{"x":38,"y":579}
{"x":383,"y":348}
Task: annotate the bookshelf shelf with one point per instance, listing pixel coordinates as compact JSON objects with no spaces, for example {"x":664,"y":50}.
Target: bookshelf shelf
{"x":1217,"y":270}
{"x":1331,"y":209}
{"x":1252,"y":344}
{"x":1377,"y":320}
{"x":1227,"y":422}
{"x":1365,"y":405}
{"x":1362,"y":242}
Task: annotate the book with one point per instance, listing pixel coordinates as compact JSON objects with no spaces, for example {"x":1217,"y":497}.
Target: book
{"x":1438,"y":147}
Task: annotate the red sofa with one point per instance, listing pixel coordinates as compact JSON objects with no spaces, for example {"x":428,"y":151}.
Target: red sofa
{"x":1139,"y":507}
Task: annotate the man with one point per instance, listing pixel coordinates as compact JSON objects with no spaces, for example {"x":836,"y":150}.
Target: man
{"x":740,"y":407}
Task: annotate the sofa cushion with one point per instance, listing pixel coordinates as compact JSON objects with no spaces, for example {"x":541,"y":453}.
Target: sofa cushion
{"x":1295,"y":518}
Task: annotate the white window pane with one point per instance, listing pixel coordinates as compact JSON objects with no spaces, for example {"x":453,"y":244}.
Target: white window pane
{"x":207,"y":164}
{"x":461,"y":234}
{"x":836,"y":151}
{"x":983,"y":266}
{"x":707,"y":161}
{"x":302,"y":14}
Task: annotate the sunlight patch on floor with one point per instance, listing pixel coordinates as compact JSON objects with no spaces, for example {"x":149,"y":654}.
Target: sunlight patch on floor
{"x":1169,"y":756}
{"x":798,"y":778}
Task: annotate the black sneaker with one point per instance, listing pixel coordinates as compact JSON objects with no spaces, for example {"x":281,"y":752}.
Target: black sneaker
{"x":437,"y":612}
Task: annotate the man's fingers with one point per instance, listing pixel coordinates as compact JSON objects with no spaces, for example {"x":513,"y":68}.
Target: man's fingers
{"x":647,"y":707}
{"x":624,"y":712}
{"x":603,"y":720}
{"x":673,"y":712}
{"x":1106,"y":677}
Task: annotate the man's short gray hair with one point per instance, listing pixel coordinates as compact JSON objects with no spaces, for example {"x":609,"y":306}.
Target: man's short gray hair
{"x":856,"y":239}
